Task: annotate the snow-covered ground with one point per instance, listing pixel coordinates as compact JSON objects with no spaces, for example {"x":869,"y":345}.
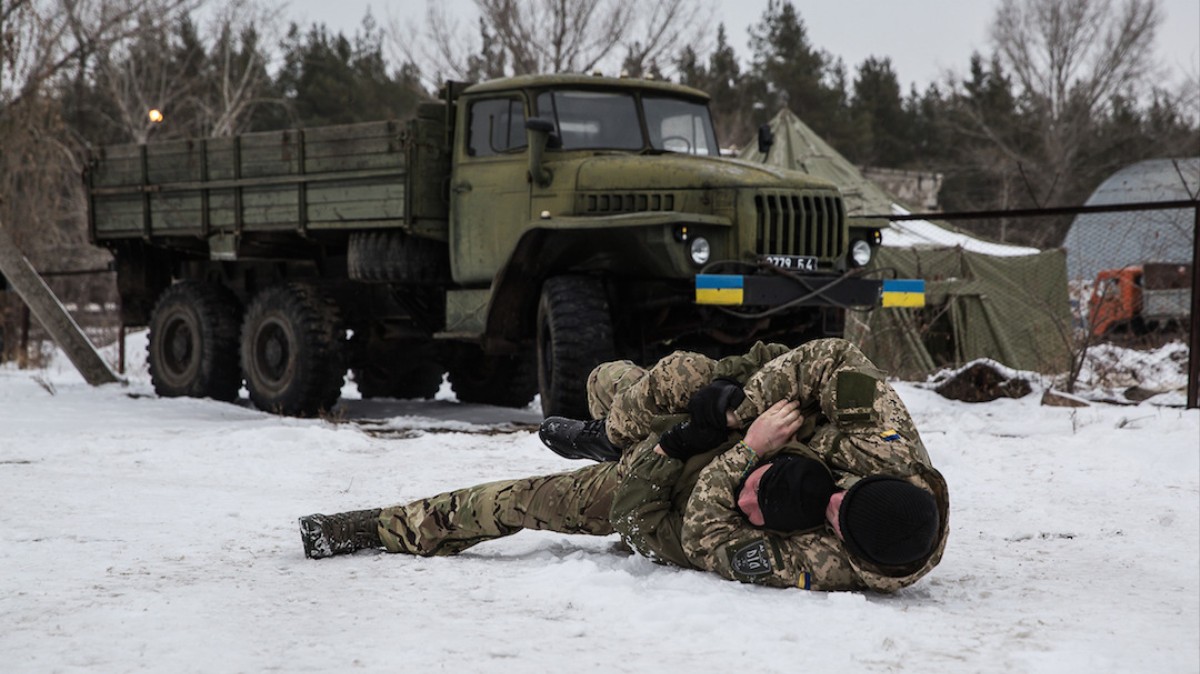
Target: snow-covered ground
{"x":140,"y":534}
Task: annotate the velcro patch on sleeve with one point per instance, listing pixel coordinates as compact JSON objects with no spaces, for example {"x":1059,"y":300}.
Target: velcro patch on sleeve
{"x":749,"y":561}
{"x":855,"y":397}
{"x":890,"y":435}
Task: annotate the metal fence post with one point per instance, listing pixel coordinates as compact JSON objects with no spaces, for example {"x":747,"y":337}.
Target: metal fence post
{"x":1193,"y":396}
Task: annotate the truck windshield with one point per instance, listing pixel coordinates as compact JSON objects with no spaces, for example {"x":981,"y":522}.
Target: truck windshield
{"x":595,"y":120}
{"x":677,"y":125}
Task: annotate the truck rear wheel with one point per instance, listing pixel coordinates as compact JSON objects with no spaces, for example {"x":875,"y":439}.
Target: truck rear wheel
{"x":507,"y":381}
{"x":574,"y":335}
{"x":192,"y":347}
{"x":293,"y":351}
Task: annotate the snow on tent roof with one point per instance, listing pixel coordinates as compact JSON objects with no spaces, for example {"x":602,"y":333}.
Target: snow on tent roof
{"x":1098,"y":241}
{"x":925,"y":234}
{"x":799,"y":148}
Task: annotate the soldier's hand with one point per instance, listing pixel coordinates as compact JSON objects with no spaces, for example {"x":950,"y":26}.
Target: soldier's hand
{"x":687,"y":439}
{"x":774,"y":428}
{"x":711,"y":405}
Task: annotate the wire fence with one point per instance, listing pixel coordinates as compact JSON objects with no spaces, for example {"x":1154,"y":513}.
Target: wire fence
{"x":89,"y":295}
{"x":1126,"y":276}
{"x":1128,"y":272}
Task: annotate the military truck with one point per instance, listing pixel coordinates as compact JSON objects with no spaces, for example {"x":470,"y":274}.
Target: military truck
{"x":512,"y":234}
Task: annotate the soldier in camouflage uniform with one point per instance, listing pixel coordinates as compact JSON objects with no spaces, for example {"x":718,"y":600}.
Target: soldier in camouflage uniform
{"x":686,"y":511}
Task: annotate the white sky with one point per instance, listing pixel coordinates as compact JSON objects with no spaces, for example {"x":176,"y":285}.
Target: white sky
{"x":924,"y":38}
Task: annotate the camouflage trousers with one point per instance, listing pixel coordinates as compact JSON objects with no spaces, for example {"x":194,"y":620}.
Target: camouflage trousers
{"x":632,"y":397}
{"x":575,"y":502}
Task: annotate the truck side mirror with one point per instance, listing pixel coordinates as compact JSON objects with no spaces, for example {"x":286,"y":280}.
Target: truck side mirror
{"x":766,"y":138}
{"x":540,"y":133}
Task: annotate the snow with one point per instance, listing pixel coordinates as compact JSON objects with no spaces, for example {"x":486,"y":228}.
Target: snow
{"x":159,"y":535}
{"x":925,"y":234}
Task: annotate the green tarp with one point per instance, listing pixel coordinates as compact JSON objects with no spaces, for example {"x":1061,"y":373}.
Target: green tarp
{"x":1012,"y":310}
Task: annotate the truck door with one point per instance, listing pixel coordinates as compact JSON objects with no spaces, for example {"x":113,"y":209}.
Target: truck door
{"x":489,"y":189}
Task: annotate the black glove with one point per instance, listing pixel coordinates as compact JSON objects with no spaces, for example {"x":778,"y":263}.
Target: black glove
{"x":709,"y":404}
{"x":687,"y":439}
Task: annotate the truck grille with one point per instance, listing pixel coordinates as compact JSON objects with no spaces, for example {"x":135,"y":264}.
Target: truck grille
{"x":628,"y":202}
{"x":800,"y":224}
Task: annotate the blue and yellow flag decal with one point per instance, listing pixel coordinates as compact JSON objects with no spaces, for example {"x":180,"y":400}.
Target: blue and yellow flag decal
{"x":719,"y":289}
{"x":903,"y":293}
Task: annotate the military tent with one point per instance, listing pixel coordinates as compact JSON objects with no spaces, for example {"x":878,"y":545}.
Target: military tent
{"x":984,"y":299}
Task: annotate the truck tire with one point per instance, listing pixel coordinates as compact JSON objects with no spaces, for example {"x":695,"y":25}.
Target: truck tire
{"x":393,"y":256}
{"x":293,"y":351}
{"x":193,"y":342}
{"x":398,"y":370}
{"x":574,"y":335}
{"x":507,"y":381}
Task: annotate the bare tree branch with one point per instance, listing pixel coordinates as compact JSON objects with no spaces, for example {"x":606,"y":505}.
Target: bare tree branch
{"x":553,"y":36}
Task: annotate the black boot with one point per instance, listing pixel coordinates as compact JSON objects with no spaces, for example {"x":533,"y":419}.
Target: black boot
{"x":340,"y":533}
{"x":573,"y":439}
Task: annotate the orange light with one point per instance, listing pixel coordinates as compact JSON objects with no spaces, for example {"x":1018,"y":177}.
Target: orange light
{"x":155,"y":115}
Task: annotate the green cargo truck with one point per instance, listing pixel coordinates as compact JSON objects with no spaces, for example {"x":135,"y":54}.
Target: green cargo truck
{"x":513,"y":234}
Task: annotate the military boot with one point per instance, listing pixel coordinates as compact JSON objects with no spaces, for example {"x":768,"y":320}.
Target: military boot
{"x":573,"y":439}
{"x":340,"y":533}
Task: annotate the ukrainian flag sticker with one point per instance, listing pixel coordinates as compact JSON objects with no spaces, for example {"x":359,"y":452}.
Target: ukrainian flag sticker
{"x":904,"y":293}
{"x":719,"y":289}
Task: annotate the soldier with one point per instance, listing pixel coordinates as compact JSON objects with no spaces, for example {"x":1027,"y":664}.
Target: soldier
{"x":830,"y":487}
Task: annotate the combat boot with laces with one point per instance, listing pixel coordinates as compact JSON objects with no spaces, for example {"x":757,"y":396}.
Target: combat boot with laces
{"x":340,"y":533}
{"x":572,"y":439}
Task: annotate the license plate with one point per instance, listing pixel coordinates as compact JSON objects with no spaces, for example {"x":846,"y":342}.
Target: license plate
{"x":791,"y":262}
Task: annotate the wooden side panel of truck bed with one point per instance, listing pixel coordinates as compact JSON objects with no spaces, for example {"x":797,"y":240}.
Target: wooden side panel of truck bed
{"x":351,"y":177}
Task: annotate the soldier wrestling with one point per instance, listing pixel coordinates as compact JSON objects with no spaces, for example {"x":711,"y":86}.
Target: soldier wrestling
{"x":829,"y":487}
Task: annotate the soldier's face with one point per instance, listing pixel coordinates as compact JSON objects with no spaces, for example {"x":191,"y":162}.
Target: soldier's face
{"x":748,"y":496}
{"x":831,"y":512}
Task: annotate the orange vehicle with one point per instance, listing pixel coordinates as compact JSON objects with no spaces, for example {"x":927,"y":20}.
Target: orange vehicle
{"x":1140,"y":298}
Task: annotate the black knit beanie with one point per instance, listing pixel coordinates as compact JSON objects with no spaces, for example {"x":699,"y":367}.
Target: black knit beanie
{"x":888,"y":521}
{"x":794,"y":492}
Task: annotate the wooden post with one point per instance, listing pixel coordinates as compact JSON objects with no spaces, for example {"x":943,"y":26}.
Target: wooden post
{"x":51,"y":314}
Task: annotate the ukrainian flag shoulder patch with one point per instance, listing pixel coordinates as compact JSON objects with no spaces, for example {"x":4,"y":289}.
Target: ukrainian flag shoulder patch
{"x":890,"y":435}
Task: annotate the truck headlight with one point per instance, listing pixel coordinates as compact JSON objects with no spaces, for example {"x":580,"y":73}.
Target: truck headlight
{"x":860,"y":253}
{"x":699,"y":251}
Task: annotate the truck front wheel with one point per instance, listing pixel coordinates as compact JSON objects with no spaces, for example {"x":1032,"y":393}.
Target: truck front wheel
{"x":293,"y":345}
{"x":575,"y":335}
{"x":192,"y":347}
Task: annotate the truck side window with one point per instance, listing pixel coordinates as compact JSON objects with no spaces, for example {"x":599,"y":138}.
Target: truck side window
{"x":496,"y":126}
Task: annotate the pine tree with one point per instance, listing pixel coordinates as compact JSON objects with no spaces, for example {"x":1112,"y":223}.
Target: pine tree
{"x":788,"y":71}
{"x":882,"y":124}
{"x":327,"y":79}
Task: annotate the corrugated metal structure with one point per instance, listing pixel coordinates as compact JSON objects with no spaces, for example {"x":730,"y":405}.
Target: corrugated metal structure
{"x":1098,"y":241}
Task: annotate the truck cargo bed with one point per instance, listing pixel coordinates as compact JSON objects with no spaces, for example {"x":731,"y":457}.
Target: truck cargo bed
{"x":340,"y":177}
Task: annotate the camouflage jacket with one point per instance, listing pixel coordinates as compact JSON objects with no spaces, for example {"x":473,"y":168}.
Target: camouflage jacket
{"x":855,"y":423}
{"x":653,"y":490}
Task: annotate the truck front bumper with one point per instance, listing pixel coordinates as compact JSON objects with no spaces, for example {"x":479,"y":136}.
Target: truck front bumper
{"x":794,"y":290}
